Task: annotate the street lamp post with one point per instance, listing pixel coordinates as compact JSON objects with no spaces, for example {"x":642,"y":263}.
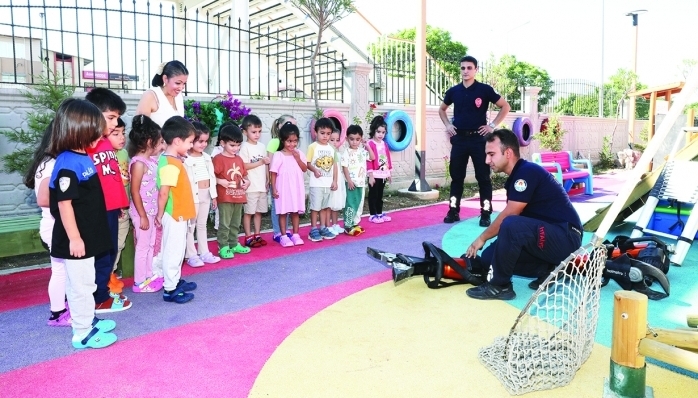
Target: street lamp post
{"x":603,"y":23}
{"x":144,"y":76}
{"x":633,"y":84}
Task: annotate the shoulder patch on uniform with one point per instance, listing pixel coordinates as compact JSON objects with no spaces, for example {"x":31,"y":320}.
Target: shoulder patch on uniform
{"x":520,"y":185}
{"x":64,"y":183}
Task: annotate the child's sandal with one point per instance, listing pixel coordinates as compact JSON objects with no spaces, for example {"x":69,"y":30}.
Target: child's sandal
{"x":251,"y":241}
{"x":260,"y":240}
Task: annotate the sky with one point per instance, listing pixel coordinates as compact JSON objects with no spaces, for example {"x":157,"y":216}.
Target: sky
{"x":562,"y":36}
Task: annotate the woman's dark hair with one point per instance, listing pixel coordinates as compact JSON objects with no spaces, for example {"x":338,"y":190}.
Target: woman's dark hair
{"x":143,"y":130}
{"x":41,"y":155}
{"x":78,"y":123}
{"x":200,"y":130}
{"x":286,"y":131}
{"x":377,"y":121}
{"x":170,"y":69}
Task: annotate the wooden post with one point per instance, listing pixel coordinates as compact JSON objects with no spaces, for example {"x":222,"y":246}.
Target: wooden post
{"x":420,"y":183}
{"x":690,"y":118}
{"x":628,"y":370}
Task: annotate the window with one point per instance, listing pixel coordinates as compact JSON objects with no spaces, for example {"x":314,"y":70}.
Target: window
{"x":6,"y":50}
{"x":10,"y":78}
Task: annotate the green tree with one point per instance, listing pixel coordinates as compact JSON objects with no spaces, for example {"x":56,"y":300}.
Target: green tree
{"x":616,"y":92}
{"x":397,"y":57}
{"x":617,"y":89}
{"x":440,"y":46}
{"x":45,"y":98}
{"x":324,"y":13}
{"x":510,"y":76}
{"x":579,"y":105}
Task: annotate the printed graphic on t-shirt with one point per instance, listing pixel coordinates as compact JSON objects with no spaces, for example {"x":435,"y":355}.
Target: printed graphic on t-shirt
{"x":236,"y":177}
{"x":107,"y":164}
{"x":325,"y":162}
{"x":382,"y":162}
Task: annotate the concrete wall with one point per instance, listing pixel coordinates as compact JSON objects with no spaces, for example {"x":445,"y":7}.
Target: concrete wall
{"x":584,"y":138}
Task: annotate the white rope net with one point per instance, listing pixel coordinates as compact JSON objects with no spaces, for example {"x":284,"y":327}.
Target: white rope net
{"x":554,"y":334}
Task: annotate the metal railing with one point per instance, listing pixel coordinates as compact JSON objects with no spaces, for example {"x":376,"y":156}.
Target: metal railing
{"x":119,"y":45}
{"x":394,"y":73}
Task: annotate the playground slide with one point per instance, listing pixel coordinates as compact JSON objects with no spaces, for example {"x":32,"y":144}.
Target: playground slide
{"x":642,"y":189}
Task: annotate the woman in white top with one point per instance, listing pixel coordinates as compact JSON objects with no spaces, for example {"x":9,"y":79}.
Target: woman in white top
{"x":165,"y":99}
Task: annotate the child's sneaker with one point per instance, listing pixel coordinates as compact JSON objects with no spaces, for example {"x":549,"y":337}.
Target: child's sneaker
{"x":63,"y":319}
{"x":178,"y":296}
{"x":314,"y":235}
{"x":277,"y":238}
{"x":336,"y":229}
{"x":186,"y":286}
{"x":376,"y":219}
{"x":386,"y":217}
{"x":195,"y":261}
{"x":209,"y":258}
{"x":113,"y":304}
{"x":355,"y":231}
{"x":285,"y":241}
{"x":327,"y":234}
{"x":296,"y":239}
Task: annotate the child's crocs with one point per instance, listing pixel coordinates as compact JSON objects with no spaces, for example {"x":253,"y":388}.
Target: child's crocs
{"x":94,"y":339}
{"x":104,"y":325}
{"x":226,"y":253}
{"x":285,"y":241}
{"x":296,"y":240}
{"x":240,"y":249}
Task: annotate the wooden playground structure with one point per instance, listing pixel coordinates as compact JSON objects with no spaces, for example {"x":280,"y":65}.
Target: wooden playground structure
{"x":633,"y":340}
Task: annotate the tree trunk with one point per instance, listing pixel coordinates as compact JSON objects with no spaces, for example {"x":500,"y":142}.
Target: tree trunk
{"x":313,"y":78}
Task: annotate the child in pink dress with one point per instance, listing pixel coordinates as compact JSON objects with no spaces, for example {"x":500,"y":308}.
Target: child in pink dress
{"x":287,"y":168}
{"x":144,"y":142}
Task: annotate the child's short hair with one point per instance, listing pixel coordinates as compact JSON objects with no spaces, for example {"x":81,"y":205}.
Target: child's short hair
{"x":106,"y":100}
{"x":286,"y":131}
{"x":176,"y":127}
{"x":324,"y":123}
{"x":120,"y":123}
{"x":230,"y":133}
{"x":200,"y":130}
{"x":355,"y":129}
{"x":377,"y":122}
{"x":143,"y":129}
{"x":250,"y":120}
{"x":78,"y":123}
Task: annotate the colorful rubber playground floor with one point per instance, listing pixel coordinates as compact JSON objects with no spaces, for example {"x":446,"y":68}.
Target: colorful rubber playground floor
{"x":319,"y":320}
